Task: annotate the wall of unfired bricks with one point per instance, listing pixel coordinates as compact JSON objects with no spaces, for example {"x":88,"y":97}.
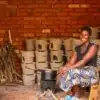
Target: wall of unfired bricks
{"x":46,"y":18}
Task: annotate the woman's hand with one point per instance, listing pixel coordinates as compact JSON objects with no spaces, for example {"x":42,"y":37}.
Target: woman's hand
{"x":63,"y":70}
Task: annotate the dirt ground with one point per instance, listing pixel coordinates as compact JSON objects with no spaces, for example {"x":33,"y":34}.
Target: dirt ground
{"x":20,"y":92}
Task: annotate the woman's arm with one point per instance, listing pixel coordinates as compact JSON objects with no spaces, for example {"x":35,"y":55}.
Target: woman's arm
{"x":88,"y":56}
{"x":72,"y":60}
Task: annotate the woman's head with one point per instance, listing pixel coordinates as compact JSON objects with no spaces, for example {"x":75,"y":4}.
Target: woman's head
{"x":85,"y":34}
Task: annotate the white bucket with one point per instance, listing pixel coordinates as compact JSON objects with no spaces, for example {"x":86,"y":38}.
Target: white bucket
{"x":27,"y":56}
{"x":41,"y":44}
{"x":28,"y":80}
{"x":56,"y":65}
{"x":95,"y":31}
{"x":96,"y":41}
{"x":69,"y":54}
{"x":55,"y":44}
{"x":28,"y":68}
{"x":29,"y":43}
{"x":56,"y":56}
{"x":41,"y":56}
{"x":68,"y":43}
{"x":98,"y":51}
{"x":41,"y":65}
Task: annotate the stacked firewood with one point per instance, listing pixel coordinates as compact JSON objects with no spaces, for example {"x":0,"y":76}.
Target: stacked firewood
{"x":8,"y":72}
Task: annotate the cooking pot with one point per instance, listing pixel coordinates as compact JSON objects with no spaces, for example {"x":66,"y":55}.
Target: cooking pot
{"x":48,"y":75}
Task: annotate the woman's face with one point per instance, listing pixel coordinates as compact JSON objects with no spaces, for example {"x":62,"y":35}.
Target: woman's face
{"x":84,"y":36}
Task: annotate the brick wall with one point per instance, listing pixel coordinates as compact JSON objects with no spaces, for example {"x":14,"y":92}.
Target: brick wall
{"x":46,"y":18}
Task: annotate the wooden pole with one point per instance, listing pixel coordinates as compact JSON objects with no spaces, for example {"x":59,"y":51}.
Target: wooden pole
{"x":9,"y":33}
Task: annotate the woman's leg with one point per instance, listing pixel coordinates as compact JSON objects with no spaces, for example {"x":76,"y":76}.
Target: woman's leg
{"x":70,"y":92}
{"x":68,"y":82}
{"x":78,"y":91}
{"x":57,"y":79}
{"x":79,"y":76}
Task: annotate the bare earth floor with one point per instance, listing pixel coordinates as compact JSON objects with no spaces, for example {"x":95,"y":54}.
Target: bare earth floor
{"x":19,"y":92}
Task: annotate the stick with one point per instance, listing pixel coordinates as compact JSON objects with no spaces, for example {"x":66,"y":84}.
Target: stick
{"x":55,"y":98}
{"x":43,"y":94}
{"x":10,"y":40}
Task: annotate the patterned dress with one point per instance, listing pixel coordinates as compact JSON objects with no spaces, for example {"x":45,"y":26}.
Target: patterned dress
{"x":83,"y":76}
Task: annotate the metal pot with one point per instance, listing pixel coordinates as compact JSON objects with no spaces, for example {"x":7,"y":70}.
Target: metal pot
{"x":48,"y":75}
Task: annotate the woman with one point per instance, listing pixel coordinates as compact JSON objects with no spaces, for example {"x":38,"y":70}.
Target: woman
{"x":81,"y":69}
